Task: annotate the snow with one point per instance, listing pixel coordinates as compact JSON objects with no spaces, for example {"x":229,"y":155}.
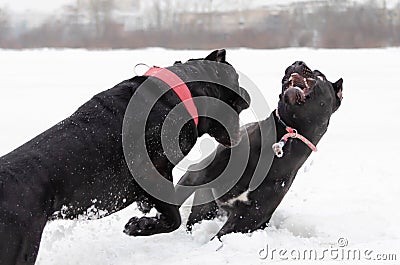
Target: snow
{"x":349,"y":189}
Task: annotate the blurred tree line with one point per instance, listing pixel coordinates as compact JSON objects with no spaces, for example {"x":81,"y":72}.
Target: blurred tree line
{"x":100,"y":24}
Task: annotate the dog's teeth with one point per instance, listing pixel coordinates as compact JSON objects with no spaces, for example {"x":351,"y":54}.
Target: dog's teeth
{"x":305,"y":82}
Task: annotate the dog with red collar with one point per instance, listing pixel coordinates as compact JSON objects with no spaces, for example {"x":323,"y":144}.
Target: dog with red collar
{"x":90,"y":164}
{"x":293,"y":131}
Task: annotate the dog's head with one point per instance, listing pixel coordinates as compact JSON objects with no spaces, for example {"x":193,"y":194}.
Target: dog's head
{"x":308,"y":97}
{"x":217,"y":80}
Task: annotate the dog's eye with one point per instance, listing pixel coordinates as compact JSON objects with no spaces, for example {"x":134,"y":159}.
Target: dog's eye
{"x":322,"y":103}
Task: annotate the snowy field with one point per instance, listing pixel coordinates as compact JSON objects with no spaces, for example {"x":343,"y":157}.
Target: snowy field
{"x":349,"y":190}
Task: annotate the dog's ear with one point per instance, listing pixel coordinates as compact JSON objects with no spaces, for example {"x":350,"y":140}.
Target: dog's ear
{"x":217,"y":56}
{"x":338,"y":86}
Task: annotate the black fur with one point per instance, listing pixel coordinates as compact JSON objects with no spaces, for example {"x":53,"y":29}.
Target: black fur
{"x":309,"y":113}
{"x":79,"y":163}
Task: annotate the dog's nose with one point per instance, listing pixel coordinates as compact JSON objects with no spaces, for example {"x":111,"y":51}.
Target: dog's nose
{"x":298,"y":63}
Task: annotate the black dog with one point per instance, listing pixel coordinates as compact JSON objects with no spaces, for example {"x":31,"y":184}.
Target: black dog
{"x":79,"y":164}
{"x":307,"y":102}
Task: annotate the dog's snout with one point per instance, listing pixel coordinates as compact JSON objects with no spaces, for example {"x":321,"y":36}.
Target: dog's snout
{"x":298,"y":63}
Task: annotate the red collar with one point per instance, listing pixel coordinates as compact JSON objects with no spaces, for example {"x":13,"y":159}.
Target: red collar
{"x":178,"y":86}
{"x":291,"y":133}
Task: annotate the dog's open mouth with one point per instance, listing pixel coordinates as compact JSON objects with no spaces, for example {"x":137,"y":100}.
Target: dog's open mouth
{"x":297,"y":83}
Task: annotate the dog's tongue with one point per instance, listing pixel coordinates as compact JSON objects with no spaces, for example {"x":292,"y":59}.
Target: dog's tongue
{"x":296,"y":80}
{"x":294,"y":95}
{"x":298,"y":89}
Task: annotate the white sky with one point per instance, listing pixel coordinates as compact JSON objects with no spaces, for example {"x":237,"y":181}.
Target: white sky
{"x":39,"y":5}
{"x":51,"y":5}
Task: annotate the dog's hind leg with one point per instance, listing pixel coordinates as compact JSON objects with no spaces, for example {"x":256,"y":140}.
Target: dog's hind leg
{"x":31,"y":243}
{"x":19,"y":244}
{"x":10,"y":243}
{"x":200,"y":210}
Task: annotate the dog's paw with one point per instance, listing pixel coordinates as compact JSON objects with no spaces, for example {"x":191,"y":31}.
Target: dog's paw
{"x":146,"y":226}
{"x":143,"y":226}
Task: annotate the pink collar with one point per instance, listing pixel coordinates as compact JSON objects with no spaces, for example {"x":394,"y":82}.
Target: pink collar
{"x":178,"y":86}
{"x":291,"y":133}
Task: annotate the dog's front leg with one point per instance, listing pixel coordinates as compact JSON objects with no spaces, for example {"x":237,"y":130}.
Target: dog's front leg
{"x":242,"y":219}
{"x":200,"y":210}
{"x":246,"y":218}
{"x":166,"y":221}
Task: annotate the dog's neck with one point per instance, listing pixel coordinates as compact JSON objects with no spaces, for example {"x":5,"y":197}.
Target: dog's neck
{"x":280,"y":129}
{"x":309,"y":137}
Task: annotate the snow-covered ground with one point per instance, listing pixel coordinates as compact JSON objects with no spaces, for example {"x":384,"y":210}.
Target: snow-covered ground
{"x":349,"y":189}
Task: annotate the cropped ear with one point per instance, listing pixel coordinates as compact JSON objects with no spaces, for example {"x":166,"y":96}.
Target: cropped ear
{"x":217,"y":56}
{"x":338,"y":86}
